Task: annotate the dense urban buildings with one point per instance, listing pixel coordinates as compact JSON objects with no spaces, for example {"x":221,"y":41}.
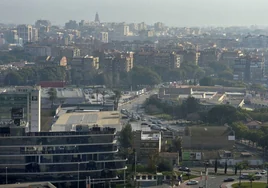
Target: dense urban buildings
{"x":115,"y":104}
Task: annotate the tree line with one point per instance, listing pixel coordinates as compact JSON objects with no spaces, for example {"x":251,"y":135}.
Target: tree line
{"x":221,"y":115}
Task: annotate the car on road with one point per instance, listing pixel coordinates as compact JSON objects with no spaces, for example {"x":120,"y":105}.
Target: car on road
{"x":159,"y":122}
{"x":144,"y":123}
{"x":263,"y":172}
{"x":154,"y":127}
{"x":184,"y":169}
{"x":192,"y":182}
{"x":228,"y":179}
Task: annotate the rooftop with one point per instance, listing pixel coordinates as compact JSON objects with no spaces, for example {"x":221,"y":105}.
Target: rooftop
{"x":64,"y":93}
{"x":103,"y":119}
{"x":211,"y":131}
{"x":29,"y":185}
{"x":151,"y":136}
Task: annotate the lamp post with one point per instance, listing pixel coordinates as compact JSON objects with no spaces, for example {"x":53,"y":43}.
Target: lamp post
{"x":206,"y":173}
{"x":156,"y":174}
{"x":6,"y":175}
{"x":78,"y":165}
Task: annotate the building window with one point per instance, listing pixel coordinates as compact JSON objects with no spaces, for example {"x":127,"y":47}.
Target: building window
{"x":34,"y":98}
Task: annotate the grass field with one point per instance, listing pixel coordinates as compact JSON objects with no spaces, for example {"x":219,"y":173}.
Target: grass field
{"x":247,"y":185}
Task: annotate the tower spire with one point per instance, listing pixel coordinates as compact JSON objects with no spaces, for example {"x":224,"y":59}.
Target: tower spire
{"x":97,"y":19}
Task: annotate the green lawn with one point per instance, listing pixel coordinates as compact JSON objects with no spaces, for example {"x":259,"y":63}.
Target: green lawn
{"x":247,"y":185}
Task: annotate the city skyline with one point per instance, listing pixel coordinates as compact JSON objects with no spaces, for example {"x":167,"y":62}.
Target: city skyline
{"x":174,"y":13}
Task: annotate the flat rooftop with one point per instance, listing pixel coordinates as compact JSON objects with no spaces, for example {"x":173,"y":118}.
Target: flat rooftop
{"x":150,"y":136}
{"x":29,"y":185}
{"x":102,"y":119}
{"x":64,"y":93}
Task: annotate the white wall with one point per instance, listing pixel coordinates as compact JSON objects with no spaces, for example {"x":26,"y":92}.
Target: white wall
{"x":35,"y":110}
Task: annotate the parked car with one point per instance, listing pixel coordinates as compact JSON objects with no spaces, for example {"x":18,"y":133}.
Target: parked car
{"x":144,"y":123}
{"x":263,"y":172}
{"x":192,"y":182}
{"x":185,"y":169}
{"x":228,"y":179}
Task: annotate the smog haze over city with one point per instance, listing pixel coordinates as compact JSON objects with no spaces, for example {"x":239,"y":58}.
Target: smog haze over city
{"x":170,"y":12}
{"x":133,"y":93}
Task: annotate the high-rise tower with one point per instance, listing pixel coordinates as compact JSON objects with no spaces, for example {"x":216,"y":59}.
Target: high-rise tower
{"x":97,"y":19}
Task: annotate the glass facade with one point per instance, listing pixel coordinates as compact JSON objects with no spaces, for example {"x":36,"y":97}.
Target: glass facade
{"x":92,"y":153}
{"x":13,"y":100}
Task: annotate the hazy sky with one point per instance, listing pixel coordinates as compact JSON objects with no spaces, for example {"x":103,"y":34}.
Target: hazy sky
{"x":171,"y":12}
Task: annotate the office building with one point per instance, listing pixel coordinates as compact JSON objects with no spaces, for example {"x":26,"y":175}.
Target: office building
{"x":147,"y":143}
{"x":24,"y":99}
{"x":87,"y":147}
{"x":25,"y":32}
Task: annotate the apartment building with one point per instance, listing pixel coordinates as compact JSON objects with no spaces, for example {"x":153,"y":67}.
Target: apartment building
{"x":149,"y":59}
{"x":117,"y":62}
{"x":25,"y":32}
{"x":36,"y":50}
{"x":210,"y":55}
{"x":86,"y":63}
{"x":249,"y":68}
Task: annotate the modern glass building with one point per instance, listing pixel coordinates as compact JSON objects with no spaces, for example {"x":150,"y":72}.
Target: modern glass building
{"x":26,"y":98}
{"x":61,"y":157}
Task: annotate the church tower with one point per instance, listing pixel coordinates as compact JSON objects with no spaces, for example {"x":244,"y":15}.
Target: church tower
{"x":97,"y":19}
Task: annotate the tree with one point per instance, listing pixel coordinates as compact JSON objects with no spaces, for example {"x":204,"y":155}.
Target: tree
{"x":206,"y":81}
{"x":52,"y":93}
{"x":13,"y":78}
{"x":190,"y":105}
{"x":144,"y":76}
{"x":241,"y":166}
{"x":164,"y":165}
{"x":177,"y":144}
{"x":225,"y":167}
{"x":216,"y":166}
{"x":266,"y":166}
{"x":226,"y":74}
{"x":117,"y":96}
{"x":251,"y":178}
{"x":152,"y":162}
{"x":126,"y":137}
{"x":222,"y":114}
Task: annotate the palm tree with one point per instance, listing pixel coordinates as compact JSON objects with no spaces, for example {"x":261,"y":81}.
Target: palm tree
{"x":52,"y":93}
{"x":266,"y":166}
{"x":241,"y":166}
{"x":251,"y":178}
{"x":117,"y":96}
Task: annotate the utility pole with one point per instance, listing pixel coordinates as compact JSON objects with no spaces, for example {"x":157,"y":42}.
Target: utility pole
{"x":206,"y":174}
{"x":78,"y":178}
{"x":124,"y":178}
{"x":6,"y":175}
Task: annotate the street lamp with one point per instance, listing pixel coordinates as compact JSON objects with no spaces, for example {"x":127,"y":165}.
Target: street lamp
{"x":156,"y":174}
{"x":78,"y":165}
{"x":206,"y":173}
{"x":6,"y":175}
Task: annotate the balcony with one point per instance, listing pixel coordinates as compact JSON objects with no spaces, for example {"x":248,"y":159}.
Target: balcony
{"x":60,"y":152}
{"x":54,"y":141}
{"x":62,"y":169}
